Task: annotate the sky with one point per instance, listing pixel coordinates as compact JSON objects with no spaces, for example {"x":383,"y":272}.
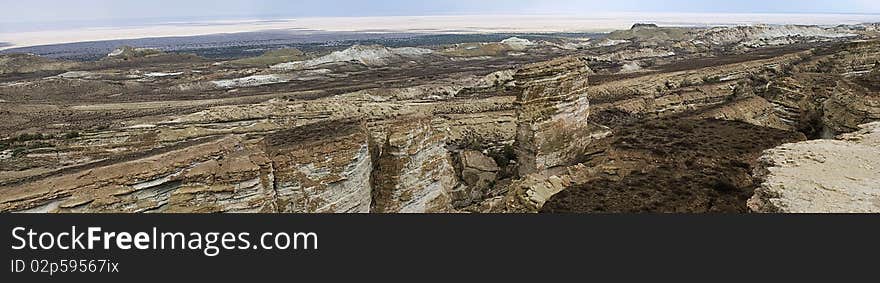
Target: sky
{"x":116,"y":11}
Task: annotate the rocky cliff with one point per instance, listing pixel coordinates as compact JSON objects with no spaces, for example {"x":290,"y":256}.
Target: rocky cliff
{"x":413,"y":170}
{"x":323,"y":167}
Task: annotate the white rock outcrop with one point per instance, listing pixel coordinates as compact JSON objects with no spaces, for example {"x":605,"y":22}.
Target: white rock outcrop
{"x":252,"y":81}
{"x":765,"y":35}
{"x":627,"y":55}
{"x":369,"y":55}
{"x":822,"y":176}
{"x":517,"y":43}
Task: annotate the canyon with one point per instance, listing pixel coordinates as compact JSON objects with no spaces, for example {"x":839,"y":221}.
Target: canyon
{"x":762,"y":118}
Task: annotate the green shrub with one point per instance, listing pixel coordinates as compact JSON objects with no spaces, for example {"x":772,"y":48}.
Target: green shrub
{"x":711,"y":79}
{"x":28,"y":137}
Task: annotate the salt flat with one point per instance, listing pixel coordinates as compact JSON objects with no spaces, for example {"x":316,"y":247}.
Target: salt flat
{"x":600,"y":22}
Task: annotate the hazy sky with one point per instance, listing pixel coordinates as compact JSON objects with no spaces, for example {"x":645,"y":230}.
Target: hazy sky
{"x":37,"y":11}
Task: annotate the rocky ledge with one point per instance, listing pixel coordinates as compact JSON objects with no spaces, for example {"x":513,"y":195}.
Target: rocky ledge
{"x":822,"y":176}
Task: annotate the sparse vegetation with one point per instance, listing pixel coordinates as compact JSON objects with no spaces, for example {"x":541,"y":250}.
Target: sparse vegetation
{"x":272,"y":57}
{"x":711,"y":79}
{"x":476,"y":50}
{"x":825,"y":66}
{"x":28,"y":137}
{"x":24,"y":142}
{"x":71,"y":135}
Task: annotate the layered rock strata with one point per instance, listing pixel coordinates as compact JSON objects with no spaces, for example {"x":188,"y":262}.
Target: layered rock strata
{"x":324,"y":167}
{"x":413,"y":172}
{"x":552,"y":113}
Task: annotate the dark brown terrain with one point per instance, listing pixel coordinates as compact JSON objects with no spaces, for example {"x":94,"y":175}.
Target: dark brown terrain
{"x":673,"y":165}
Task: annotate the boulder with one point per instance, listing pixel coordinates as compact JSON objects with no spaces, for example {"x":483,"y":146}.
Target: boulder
{"x":527,"y":195}
{"x":478,"y":173}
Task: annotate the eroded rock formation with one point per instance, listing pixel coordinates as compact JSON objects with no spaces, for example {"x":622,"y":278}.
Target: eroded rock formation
{"x":377,"y":129}
{"x":552,"y":114}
